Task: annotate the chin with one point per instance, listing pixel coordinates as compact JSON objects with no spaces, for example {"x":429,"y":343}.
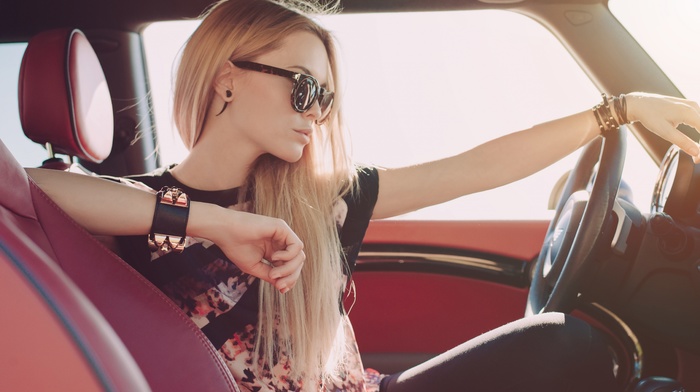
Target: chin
{"x":291,"y":156}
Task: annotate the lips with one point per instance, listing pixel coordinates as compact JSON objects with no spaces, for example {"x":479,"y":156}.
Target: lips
{"x":305,"y":132}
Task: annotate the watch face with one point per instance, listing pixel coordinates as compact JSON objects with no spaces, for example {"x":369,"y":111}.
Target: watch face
{"x":664,"y":183}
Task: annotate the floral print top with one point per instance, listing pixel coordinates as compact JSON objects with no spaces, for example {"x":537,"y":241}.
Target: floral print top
{"x":223,"y":301}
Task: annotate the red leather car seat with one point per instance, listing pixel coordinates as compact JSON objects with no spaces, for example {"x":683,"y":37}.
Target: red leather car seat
{"x":168,"y":347}
{"x":53,"y":338}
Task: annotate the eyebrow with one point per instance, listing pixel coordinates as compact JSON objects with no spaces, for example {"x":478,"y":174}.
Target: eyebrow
{"x":306,"y":71}
{"x":303,"y":69}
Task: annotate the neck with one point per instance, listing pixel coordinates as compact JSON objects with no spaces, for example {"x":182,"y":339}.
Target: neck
{"x":215,"y":164}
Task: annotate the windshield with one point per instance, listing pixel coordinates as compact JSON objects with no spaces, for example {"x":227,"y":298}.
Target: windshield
{"x":669,"y":31}
{"x":413,"y":96}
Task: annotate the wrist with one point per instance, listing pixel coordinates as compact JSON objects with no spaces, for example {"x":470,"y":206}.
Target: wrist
{"x":633,"y":100}
{"x":169,"y":226}
{"x":611,"y":113}
{"x":205,"y":220}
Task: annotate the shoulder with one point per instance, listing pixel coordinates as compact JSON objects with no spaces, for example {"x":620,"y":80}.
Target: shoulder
{"x":365,"y":190}
{"x":368,"y":176}
{"x":354,"y":211}
{"x":358,"y":203}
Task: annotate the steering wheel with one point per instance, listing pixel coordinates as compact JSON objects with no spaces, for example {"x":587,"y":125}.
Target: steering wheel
{"x":581,"y":228}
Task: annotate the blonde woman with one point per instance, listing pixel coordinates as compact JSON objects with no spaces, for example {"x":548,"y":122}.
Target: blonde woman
{"x":270,"y":180}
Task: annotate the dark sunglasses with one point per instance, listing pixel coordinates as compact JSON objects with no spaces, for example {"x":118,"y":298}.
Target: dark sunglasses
{"x":305,"y":91}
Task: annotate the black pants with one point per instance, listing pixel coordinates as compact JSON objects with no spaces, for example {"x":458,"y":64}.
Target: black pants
{"x":549,"y":352}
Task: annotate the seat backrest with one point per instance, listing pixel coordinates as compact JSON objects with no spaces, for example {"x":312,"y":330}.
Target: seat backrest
{"x":53,"y":337}
{"x":64,"y":101}
{"x":170,"y":350}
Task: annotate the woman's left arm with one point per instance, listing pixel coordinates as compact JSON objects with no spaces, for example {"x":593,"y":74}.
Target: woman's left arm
{"x":520,"y":154}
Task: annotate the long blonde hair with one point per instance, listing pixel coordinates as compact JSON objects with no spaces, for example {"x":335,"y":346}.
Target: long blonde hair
{"x":302,"y":325}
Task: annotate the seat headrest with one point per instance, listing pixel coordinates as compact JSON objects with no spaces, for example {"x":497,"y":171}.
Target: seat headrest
{"x":63,"y":95}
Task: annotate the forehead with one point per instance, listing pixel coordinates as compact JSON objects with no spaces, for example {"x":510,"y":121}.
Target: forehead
{"x":301,"y":51}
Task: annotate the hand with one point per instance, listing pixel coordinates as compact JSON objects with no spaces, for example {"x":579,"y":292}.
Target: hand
{"x":661,"y":115}
{"x":259,"y":245}
{"x":255,"y":240}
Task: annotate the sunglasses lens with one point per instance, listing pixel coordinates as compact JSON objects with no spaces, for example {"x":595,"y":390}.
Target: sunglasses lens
{"x":326,"y":102}
{"x":305,"y":94}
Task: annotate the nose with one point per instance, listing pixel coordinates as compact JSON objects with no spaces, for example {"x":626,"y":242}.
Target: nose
{"x":314,"y":112}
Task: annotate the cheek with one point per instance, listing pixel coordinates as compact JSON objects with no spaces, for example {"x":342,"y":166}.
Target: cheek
{"x":265,"y":101}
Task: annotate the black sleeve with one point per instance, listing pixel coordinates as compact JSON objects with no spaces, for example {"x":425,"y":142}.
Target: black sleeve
{"x":360,"y":207}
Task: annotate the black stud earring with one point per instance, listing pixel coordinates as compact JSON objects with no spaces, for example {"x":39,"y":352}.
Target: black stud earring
{"x":228,"y":95}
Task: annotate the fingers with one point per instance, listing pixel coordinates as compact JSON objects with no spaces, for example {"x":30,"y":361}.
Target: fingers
{"x":285,"y":276}
{"x":287,"y":267}
{"x":291,"y":249}
{"x":691,"y":117}
{"x":662,"y":114}
{"x":268,"y":249}
{"x":287,"y":261}
{"x":688,"y":145}
{"x":260,"y":270}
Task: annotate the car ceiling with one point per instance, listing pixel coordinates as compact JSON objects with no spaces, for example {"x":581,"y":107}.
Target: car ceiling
{"x":19,"y":19}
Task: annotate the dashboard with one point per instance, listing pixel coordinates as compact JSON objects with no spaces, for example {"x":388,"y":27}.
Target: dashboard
{"x":659,"y":286}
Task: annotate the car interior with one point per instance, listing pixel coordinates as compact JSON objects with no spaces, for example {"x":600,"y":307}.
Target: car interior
{"x":80,"y":318}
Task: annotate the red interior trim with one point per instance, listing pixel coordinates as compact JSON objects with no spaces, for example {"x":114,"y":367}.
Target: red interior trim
{"x":428,"y":313}
{"x":519,"y":239}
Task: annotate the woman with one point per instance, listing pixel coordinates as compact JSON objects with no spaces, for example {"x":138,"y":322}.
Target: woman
{"x":259,"y":154}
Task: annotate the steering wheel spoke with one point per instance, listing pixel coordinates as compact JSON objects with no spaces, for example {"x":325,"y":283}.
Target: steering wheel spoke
{"x":578,"y":226}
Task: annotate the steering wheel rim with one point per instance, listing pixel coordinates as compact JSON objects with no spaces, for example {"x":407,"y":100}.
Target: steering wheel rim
{"x":580,"y":226}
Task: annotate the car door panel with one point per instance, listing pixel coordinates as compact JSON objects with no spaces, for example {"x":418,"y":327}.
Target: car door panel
{"x":422,"y":287}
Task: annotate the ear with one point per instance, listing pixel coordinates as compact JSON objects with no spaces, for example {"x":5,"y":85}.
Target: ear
{"x":223,"y":84}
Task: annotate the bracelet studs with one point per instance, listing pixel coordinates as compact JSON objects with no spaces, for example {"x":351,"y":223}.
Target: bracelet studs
{"x":168,"y":231}
{"x":607,"y":122}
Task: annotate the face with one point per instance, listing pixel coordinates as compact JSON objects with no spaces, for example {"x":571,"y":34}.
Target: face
{"x":261,"y":111}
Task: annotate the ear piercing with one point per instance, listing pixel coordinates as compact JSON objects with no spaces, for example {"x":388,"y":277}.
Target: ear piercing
{"x":228,"y":95}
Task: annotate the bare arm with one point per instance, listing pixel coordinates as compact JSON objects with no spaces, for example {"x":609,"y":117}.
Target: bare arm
{"x":520,"y":154}
{"x":108,"y":208}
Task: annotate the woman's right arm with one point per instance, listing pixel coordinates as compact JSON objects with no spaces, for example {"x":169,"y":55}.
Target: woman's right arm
{"x":105,"y":207}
